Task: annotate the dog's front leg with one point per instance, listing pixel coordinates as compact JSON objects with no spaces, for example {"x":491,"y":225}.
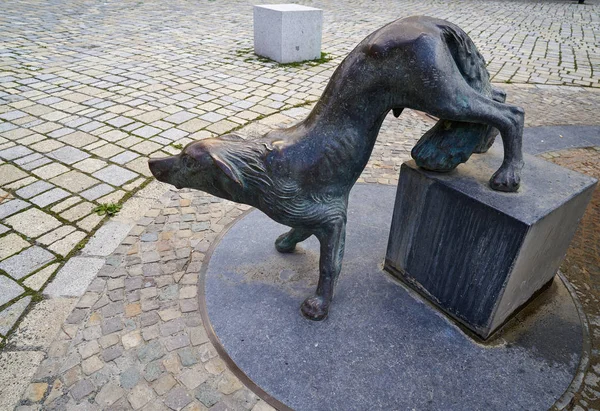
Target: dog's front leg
{"x":286,"y":243}
{"x":332,"y":239}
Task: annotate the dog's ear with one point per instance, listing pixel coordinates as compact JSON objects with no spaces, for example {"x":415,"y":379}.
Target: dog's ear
{"x":227,"y":168}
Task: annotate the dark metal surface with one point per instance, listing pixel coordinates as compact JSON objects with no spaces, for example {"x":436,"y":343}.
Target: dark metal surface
{"x":301,"y":176}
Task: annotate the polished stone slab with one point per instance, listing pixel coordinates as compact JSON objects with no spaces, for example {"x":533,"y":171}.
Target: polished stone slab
{"x":552,"y":138}
{"x":382,"y":346}
{"x":476,"y":253}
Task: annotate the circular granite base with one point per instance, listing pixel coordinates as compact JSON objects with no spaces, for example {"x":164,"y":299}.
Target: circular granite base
{"x":382,"y":347}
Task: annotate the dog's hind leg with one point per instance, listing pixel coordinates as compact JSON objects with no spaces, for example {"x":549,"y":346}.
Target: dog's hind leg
{"x":286,"y":243}
{"x":332,"y":238}
{"x":488,"y":139}
{"x":449,"y":143}
{"x":459,"y":102}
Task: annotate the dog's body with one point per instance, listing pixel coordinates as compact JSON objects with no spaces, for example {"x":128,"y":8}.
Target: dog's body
{"x":302,"y":176}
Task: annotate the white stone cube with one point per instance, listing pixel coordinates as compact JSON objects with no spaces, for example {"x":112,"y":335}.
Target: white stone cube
{"x":287,"y":33}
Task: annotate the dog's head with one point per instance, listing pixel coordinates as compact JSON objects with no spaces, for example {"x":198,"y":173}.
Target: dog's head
{"x":201,"y":165}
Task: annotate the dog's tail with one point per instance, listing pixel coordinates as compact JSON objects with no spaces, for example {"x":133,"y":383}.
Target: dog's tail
{"x":449,"y":143}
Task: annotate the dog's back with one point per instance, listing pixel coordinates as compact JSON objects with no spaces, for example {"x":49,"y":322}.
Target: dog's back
{"x":448,"y":143}
{"x":390,"y":68}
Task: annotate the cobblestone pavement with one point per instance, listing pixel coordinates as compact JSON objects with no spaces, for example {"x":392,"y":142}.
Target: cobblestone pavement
{"x":89,"y":90}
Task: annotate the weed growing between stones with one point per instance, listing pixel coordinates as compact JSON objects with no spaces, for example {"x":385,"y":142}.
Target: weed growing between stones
{"x":109,"y":209}
{"x":249,"y":51}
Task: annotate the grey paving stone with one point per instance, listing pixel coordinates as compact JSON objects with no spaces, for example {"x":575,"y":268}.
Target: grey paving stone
{"x":146,"y":131}
{"x":164,"y":384}
{"x":33,"y":222}
{"x":174,"y":134}
{"x":129,"y":378}
{"x":180,"y":117}
{"x":109,"y":394}
{"x":74,"y":181}
{"x":28,"y":159}
{"x":212,"y":117}
{"x":92,"y":333}
{"x":9,"y":289}
{"x":49,"y":100}
{"x":120,"y":121}
{"x":39,"y":327}
{"x":96,"y":192}
{"x":19,"y":265}
{"x":115,"y":175}
{"x":171,"y":327}
{"x":201,"y":226}
{"x":81,"y":389}
{"x":110,"y":310}
{"x":244,"y":104}
{"x":17,"y":369}
{"x":152,"y":371}
{"x":50,"y":197}
{"x":76,"y":316}
{"x":192,"y":378}
{"x":112,"y":352}
{"x":10,"y":315}
{"x":37,"y":280}
{"x":198,"y":335}
{"x":11,"y":244}
{"x":68,"y":155}
{"x":12,"y":115}
{"x":14,"y":152}
{"x":10,"y":173}
{"x":150,"y":352}
{"x":91,"y":126}
{"x":10,"y":207}
{"x":177,"y":398}
{"x":36,"y":163}
{"x":168,"y":293}
{"x":112,"y":325}
{"x":33,"y":189}
{"x":140,"y":395}
{"x":149,"y":318}
{"x":133,"y":283}
{"x":115,"y":283}
{"x":206,"y":352}
{"x":177,"y":341}
{"x":149,"y":237}
{"x":107,"y":239}
{"x":74,"y":277}
{"x":124,"y":157}
{"x":88,"y":349}
{"x":207,"y":395}
{"x":3,"y":229}
{"x":60,"y":132}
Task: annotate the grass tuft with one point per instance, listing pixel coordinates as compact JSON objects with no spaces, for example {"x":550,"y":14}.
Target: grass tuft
{"x":109,"y":209}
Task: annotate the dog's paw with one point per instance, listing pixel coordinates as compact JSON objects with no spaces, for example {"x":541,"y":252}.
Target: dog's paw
{"x":284,"y":245}
{"x":315,"y":308}
{"x":507,"y":179}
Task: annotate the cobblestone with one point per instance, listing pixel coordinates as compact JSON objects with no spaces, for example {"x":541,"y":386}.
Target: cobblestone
{"x":20,"y":265}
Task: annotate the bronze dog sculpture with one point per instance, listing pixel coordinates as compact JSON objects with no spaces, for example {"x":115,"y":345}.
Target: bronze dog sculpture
{"x":301,"y":176}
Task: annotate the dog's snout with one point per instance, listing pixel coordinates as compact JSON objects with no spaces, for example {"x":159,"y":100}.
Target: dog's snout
{"x":160,"y":167}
